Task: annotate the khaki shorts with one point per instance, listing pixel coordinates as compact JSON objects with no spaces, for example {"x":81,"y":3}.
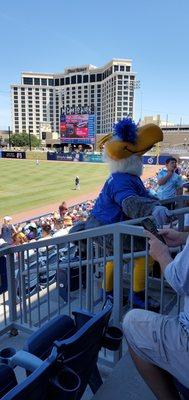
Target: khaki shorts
{"x":160,"y":340}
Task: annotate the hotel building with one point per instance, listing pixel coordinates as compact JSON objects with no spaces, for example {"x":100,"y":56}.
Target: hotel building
{"x":40,"y":97}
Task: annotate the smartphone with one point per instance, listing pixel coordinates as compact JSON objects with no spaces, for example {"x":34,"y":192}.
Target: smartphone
{"x":150,"y":226}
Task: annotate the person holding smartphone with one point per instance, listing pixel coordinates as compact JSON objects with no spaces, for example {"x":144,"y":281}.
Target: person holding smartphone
{"x":159,"y":344}
{"x":169,"y":182}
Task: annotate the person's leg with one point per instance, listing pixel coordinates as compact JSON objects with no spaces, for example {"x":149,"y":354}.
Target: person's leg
{"x":159,"y":381}
{"x":158,"y":347}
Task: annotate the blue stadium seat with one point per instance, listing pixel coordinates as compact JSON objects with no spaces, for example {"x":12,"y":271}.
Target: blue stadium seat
{"x":69,"y":348}
{"x":46,"y":384}
{"x":86,"y":334}
{"x":7,"y":379}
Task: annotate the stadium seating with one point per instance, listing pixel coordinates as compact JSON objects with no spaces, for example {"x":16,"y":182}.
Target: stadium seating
{"x":68,"y":349}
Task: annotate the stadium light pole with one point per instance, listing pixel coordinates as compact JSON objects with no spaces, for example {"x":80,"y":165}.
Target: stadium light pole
{"x":9,"y":133}
{"x":29,"y":133}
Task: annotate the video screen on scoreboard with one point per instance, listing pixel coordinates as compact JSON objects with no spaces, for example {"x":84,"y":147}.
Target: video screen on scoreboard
{"x":77,"y":128}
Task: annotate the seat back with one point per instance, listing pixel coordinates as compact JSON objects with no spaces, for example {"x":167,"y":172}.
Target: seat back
{"x":46,"y":383}
{"x":80,"y":351}
{"x":40,"y":343}
{"x":7,"y":379}
{"x":77,"y":343}
{"x":34,"y":387}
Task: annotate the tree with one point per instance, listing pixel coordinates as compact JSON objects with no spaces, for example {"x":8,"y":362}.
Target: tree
{"x":22,"y":140}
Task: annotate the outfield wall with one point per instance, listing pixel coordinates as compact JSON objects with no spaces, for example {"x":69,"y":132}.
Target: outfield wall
{"x":73,"y":156}
{"x":36,"y":155}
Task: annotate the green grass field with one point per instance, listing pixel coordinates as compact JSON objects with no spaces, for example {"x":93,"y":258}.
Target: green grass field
{"x":26,"y":186}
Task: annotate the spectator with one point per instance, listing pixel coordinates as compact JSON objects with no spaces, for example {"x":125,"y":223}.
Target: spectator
{"x":63,"y":209}
{"x":32,"y":234}
{"x":57,"y":221}
{"x":46,"y":231}
{"x":7,"y":230}
{"x":39,"y":229}
{"x":170,"y":183}
{"x":67,"y":221}
{"x":19,"y":238}
{"x":159,"y":343}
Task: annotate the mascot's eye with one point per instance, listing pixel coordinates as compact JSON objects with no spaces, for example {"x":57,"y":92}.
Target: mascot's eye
{"x":130,"y":151}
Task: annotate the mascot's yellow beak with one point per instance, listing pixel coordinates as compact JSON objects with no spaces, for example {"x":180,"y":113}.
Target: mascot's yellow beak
{"x":147,"y":136}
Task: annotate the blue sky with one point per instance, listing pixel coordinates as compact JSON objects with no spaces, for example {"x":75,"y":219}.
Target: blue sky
{"x":50,"y":35}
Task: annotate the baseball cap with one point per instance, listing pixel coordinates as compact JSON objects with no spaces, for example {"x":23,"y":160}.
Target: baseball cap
{"x":33,"y":225}
{"x":7,"y":218}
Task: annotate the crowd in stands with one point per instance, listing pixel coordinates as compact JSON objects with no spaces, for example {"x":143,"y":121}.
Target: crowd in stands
{"x":56,"y":224}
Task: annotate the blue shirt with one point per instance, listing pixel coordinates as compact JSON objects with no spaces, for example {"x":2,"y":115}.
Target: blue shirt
{"x":170,"y":187}
{"x":119,"y":186}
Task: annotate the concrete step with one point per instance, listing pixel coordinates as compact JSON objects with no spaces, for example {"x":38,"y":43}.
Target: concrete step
{"x":124,"y":382}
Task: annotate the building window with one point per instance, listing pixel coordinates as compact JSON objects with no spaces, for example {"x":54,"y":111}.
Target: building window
{"x":115,"y":68}
{"x":61,"y":81}
{"x":57,"y":82}
{"x":67,"y":81}
{"x":73,"y":79}
{"x":51,"y":82}
{"x":85,"y":78}
{"x":28,"y":81}
{"x":44,"y":82}
{"x":99,"y":77}
{"x":36,"y":81}
{"x":121,"y":67}
{"x":79,"y":79}
{"x":128,"y":68}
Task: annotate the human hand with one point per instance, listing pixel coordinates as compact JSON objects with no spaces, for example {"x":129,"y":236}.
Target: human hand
{"x":158,"y":250}
{"x":173,"y":237}
{"x":157,"y":247}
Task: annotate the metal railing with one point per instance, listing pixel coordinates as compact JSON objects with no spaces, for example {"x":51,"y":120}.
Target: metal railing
{"x":54,"y":276}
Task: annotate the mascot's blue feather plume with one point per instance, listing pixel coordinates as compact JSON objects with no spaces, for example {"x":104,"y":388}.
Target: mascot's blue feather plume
{"x":126,"y":130}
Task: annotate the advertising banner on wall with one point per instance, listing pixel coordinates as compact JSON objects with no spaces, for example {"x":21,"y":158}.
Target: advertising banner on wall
{"x":77,"y":128}
{"x":150,"y":160}
{"x":97,"y":158}
{"x":14,"y":154}
{"x":71,"y":156}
